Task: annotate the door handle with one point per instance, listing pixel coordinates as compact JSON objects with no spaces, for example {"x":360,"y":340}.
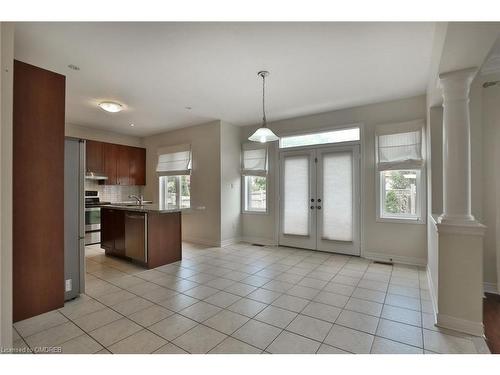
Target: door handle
{"x":318,"y":207}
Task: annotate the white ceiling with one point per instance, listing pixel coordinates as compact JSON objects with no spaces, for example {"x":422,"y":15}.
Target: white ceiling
{"x":158,"y":69}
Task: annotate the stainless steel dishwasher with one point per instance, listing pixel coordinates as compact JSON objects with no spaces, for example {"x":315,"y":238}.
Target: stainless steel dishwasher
{"x":136,"y":236}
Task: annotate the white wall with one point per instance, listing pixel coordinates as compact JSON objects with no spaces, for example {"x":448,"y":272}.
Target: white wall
{"x":230,"y":150}
{"x":434,"y":194}
{"x":401,"y":242}
{"x":260,"y":228}
{"x":476,"y":141}
{"x":489,"y":151}
{"x":83,"y":132}
{"x":202,"y":223}
{"x":6,"y":97}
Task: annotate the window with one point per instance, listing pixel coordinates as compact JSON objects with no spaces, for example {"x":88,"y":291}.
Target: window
{"x":255,"y":188}
{"x":400,"y":167}
{"x":335,"y":136}
{"x":254,"y":177}
{"x":174,"y":174}
{"x":399,"y":193}
{"x":175,"y":191}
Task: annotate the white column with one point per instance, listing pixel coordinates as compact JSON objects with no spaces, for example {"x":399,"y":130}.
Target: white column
{"x":456,"y":147}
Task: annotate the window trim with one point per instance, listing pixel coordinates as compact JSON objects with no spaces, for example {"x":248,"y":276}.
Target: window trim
{"x":319,"y":131}
{"x":420,"y":166}
{"x":177,"y":192}
{"x":419,"y":218}
{"x":244,"y":209}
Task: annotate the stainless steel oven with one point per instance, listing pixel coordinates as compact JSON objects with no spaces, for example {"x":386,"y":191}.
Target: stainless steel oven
{"x":93,"y":217}
{"x":92,"y":225}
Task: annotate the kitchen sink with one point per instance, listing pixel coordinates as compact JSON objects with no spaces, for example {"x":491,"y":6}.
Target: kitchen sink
{"x":132,"y":204}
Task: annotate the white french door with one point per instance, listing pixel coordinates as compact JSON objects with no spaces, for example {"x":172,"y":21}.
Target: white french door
{"x":319,"y":199}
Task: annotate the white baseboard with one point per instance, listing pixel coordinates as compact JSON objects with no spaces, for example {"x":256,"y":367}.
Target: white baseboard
{"x":383,"y":257}
{"x":491,"y":288}
{"x":430,"y":284}
{"x":461,"y":325}
{"x":230,"y":241}
{"x":201,"y":241}
{"x":260,"y":241}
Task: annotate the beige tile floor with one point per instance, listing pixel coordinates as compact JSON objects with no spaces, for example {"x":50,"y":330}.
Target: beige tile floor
{"x":246,"y":299}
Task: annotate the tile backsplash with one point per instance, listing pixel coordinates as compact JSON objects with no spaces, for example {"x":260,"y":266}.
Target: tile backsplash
{"x":113,"y":193}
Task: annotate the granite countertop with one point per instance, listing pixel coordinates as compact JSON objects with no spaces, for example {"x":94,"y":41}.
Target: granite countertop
{"x":152,"y":207}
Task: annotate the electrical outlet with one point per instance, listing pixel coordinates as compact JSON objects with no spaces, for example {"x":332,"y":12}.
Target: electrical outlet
{"x":68,"y":285}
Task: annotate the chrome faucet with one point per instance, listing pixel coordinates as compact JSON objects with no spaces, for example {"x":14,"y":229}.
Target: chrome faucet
{"x":140,"y":200}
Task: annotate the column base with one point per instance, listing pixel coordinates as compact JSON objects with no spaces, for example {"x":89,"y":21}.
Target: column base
{"x":457,"y":219}
{"x":461,"y":325}
{"x":460,"y":276}
{"x":460,"y":224}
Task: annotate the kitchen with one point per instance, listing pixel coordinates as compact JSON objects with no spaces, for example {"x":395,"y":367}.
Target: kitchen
{"x":113,"y":174}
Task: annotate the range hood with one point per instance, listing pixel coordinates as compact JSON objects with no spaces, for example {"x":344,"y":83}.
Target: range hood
{"x":94,"y":176}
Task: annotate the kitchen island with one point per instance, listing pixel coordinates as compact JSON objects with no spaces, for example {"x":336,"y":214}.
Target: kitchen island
{"x":147,"y":234}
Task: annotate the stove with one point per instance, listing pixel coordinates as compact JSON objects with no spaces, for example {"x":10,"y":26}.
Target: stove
{"x":92,"y":199}
{"x":93,"y":217}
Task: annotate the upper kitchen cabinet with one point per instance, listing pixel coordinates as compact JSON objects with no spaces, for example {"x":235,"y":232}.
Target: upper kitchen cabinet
{"x":110,"y":155}
{"x":94,"y":158}
{"x":137,"y":166}
{"x":122,"y":165}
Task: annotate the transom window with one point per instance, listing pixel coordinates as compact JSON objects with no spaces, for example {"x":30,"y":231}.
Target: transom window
{"x":320,"y":138}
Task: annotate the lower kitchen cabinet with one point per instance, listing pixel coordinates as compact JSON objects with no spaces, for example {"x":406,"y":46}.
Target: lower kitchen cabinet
{"x":150,"y":238}
{"x":135,"y":236}
{"x":113,"y":236}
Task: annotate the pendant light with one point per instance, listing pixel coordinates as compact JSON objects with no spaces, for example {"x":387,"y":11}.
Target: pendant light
{"x":263,"y":134}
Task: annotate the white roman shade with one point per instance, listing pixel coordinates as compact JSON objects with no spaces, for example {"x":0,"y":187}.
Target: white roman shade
{"x":399,"y":146}
{"x":254,"y":159}
{"x":174,"y":160}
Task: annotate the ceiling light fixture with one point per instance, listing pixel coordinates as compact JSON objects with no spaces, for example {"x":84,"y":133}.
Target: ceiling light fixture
{"x":263,"y":134}
{"x":132,"y":124}
{"x":111,"y":106}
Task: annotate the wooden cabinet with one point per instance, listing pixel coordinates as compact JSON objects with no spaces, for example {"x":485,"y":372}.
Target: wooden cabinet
{"x":150,"y":238}
{"x":110,"y":154}
{"x":137,"y":166}
{"x":123,"y":165}
{"x":113,"y":231}
{"x":94,"y":157}
{"x":135,"y":236}
{"x":38,"y":191}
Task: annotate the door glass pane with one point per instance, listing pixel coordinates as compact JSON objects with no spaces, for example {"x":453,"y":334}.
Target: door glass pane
{"x":337,"y":197}
{"x":296,"y":195}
